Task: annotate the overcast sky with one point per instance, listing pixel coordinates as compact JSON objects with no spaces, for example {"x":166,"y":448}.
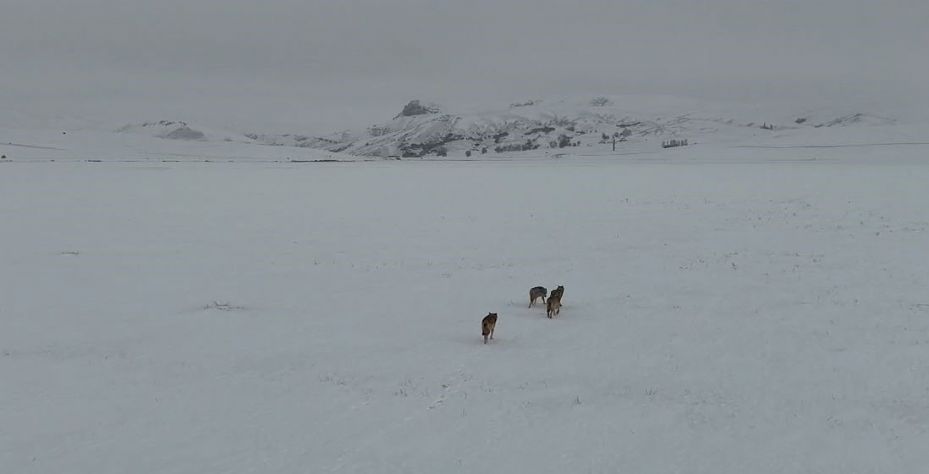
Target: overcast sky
{"x":313,"y":65}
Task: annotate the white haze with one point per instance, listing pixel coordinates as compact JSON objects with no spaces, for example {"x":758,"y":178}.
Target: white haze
{"x":297,"y":65}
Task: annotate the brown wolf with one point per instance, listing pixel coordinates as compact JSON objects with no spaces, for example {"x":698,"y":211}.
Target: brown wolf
{"x":558,"y":293}
{"x":554,"y":305}
{"x":536,"y":293}
{"x":487,"y":326}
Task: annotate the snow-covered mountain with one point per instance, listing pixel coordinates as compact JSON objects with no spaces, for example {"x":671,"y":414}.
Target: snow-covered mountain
{"x":429,"y":130}
{"x":602,"y":125}
{"x":181,"y":130}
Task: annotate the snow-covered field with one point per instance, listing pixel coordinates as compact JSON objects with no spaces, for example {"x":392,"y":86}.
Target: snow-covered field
{"x":738,"y":310}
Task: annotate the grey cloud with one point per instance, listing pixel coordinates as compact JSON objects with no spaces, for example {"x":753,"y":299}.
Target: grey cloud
{"x":328,"y":64}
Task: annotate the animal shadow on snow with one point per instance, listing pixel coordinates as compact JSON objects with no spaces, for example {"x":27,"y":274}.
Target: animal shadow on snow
{"x":531,"y":312}
{"x":523,"y":311}
{"x":478,"y":340}
{"x":223,"y":306}
{"x":217,"y":306}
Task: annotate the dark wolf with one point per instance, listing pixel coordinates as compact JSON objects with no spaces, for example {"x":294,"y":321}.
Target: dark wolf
{"x":553,"y":307}
{"x":487,"y":326}
{"x":536,"y":293}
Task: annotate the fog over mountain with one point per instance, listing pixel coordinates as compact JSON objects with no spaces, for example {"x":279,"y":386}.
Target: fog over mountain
{"x":320,"y":66}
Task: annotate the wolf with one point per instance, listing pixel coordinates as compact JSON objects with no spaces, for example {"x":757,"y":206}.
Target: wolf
{"x":558,"y":293}
{"x":536,"y":293}
{"x":487,"y":326}
{"x":554,"y":305}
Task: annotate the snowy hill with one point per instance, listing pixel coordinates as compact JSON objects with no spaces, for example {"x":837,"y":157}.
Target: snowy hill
{"x":428,"y":130}
{"x":165,"y":129}
{"x":537,"y":128}
{"x":158,"y":141}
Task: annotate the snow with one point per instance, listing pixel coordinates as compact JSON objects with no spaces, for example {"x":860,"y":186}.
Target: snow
{"x":146,"y":143}
{"x":727,"y":310}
